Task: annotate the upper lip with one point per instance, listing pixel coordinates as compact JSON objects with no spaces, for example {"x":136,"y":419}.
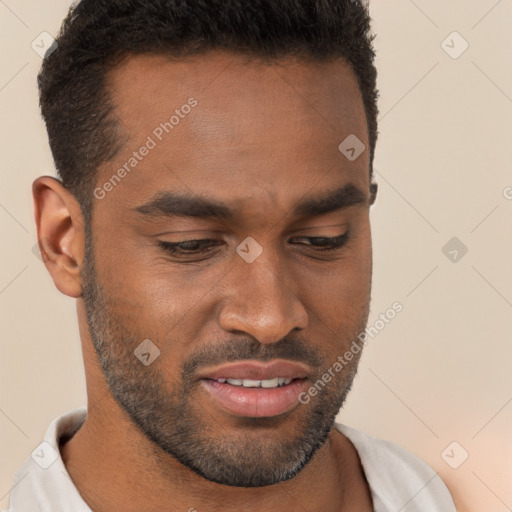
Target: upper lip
{"x":256,"y":370}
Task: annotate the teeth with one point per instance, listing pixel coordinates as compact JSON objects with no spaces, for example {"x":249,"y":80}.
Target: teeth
{"x":249,"y":383}
{"x":234,"y":382}
{"x":270,"y":383}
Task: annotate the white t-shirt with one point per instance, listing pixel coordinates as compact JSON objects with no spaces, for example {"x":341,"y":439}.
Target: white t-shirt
{"x":399,"y":481}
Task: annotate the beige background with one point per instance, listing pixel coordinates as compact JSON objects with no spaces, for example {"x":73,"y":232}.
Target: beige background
{"x":440,"y":371}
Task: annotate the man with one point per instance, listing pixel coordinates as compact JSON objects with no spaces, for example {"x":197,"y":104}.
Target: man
{"x":213,"y":224}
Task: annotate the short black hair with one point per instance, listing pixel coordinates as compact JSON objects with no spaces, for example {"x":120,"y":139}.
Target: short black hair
{"x":96,"y":34}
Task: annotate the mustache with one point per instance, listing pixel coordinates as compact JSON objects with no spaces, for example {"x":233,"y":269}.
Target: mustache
{"x":246,"y":348}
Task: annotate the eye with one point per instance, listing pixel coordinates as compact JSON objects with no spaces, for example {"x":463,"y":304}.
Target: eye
{"x":324,"y":243}
{"x":205,"y":246}
{"x":192,"y":247}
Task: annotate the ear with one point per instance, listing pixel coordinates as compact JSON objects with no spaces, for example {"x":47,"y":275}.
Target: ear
{"x":373,"y":192}
{"x":60,"y":233}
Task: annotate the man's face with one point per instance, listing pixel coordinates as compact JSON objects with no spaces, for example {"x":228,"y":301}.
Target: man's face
{"x":262,"y":140}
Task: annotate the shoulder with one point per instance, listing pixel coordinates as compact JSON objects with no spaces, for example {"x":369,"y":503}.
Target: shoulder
{"x":398,"y":479}
{"x":42,"y":483}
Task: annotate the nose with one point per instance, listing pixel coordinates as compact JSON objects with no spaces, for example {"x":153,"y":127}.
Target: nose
{"x":262,"y":301}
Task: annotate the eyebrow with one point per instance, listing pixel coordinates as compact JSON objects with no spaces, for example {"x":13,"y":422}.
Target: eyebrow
{"x":170,"y":204}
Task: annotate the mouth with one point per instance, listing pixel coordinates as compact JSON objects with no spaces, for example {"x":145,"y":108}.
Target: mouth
{"x":250,"y":373}
{"x":276,"y":382}
{"x":255,"y":401}
{"x":256,"y":389}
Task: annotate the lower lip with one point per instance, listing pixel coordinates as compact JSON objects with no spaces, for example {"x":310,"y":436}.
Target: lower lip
{"x":256,"y":402}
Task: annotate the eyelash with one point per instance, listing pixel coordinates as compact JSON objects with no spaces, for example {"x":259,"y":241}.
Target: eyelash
{"x":180,"y":248}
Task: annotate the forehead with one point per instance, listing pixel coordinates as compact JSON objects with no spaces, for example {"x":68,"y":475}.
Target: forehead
{"x":227,"y":83}
{"x":257,"y":129}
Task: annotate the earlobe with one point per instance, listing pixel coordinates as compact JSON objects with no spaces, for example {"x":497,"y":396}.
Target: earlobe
{"x":60,"y":233}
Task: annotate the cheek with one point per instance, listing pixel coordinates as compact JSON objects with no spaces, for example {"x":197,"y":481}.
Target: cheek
{"x":341,"y":294}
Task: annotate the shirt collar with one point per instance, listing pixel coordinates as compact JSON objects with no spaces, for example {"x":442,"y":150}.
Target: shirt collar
{"x":42,"y":484}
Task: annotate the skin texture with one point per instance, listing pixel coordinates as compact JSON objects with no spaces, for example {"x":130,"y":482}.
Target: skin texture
{"x":261,"y":138}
